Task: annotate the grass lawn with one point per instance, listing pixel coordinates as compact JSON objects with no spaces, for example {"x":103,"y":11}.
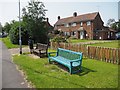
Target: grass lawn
{"x":95,"y":74}
{"x":8,"y":43}
{"x":80,"y":40}
{"x":113,"y":44}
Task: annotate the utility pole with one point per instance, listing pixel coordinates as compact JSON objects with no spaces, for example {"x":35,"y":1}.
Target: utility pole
{"x":20,"y":41}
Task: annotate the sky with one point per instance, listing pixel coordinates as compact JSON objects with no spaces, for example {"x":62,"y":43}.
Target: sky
{"x":9,"y":9}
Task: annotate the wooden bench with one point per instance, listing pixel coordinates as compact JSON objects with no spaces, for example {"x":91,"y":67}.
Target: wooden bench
{"x":41,"y":49}
{"x":67,"y":58}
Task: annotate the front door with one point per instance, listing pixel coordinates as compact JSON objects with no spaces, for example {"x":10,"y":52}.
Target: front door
{"x":81,"y":35}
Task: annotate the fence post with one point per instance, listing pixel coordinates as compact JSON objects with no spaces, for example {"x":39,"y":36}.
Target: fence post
{"x":64,"y":45}
{"x":118,"y":56}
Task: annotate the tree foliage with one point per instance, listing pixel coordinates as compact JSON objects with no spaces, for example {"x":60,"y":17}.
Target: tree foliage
{"x":7,"y":27}
{"x":0,"y":28}
{"x":58,"y":38}
{"x":114,"y":25}
{"x":14,"y":33}
{"x":34,"y":16}
{"x":110,"y":22}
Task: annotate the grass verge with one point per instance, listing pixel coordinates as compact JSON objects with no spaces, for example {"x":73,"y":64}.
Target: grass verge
{"x":95,"y":74}
{"x":8,"y":43}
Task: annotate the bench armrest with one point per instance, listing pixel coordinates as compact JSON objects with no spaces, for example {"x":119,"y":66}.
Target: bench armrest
{"x":49,"y":53}
{"x":76,"y":60}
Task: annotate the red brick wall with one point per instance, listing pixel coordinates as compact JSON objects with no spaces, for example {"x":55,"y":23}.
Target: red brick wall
{"x":98,"y":23}
{"x":95,"y":24}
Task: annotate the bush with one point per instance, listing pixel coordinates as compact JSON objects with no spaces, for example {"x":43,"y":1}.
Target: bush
{"x":56,"y":32}
{"x":59,"y":39}
{"x":14,"y":33}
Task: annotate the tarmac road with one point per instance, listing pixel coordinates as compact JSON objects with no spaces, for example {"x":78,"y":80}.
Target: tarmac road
{"x":11,"y":77}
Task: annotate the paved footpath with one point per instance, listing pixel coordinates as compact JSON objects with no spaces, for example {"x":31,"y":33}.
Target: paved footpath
{"x":11,"y":77}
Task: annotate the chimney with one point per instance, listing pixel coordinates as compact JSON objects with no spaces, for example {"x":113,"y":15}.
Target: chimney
{"x":58,"y":17}
{"x":75,"y":14}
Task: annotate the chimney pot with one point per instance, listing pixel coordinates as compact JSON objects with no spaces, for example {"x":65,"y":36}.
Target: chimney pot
{"x":58,"y":17}
{"x":75,"y":14}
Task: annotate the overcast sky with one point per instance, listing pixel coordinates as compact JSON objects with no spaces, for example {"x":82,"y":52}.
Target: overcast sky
{"x":107,"y":8}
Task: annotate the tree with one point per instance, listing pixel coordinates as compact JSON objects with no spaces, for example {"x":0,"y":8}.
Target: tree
{"x":0,"y":28}
{"x":114,"y":26}
{"x":34,"y":16}
{"x":118,"y":26}
{"x":7,"y":27}
{"x":14,"y":33}
{"x":110,"y":22}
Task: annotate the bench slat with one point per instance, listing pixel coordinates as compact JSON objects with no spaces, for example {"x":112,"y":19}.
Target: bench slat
{"x":41,"y":49}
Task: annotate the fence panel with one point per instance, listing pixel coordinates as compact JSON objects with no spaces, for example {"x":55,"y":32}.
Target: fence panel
{"x":111,"y":55}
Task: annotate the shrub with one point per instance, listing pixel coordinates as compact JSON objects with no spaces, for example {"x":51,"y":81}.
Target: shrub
{"x":59,"y":39}
{"x":56,"y":32}
{"x":14,"y":33}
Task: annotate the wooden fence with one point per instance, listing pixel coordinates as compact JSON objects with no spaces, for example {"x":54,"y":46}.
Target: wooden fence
{"x":111,"y":55}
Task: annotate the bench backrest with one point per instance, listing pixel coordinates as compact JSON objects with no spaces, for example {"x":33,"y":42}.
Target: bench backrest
{"x":41,"y":46}
{"x":71,"y":55}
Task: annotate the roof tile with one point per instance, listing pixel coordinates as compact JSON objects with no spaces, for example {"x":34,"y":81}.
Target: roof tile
{"x":83,"y":17}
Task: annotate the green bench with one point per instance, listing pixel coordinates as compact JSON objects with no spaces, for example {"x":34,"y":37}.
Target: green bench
{"x":67,"y":58}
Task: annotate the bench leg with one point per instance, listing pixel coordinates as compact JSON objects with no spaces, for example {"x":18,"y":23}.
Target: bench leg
{"x":40,"y":53}
{"x":70,"y":70}
{"x":80,"y":68}
{"x":48,"y":60}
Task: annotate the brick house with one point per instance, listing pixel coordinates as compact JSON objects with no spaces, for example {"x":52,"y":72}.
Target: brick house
{"x":86,"y":26}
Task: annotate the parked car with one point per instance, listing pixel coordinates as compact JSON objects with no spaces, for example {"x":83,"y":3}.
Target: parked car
{"x":3,"y":35}
{"x":118,"y":37}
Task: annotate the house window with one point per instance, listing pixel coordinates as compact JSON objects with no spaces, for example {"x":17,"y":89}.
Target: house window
{"x":111,"y":34}
{"x":73,"y":33}
{"x":68,"y":33}
{"x":66,"y":25}
{"x":65,"y":33}
{"x":73,"y":24}
{"x":81,"y":23}
{"x":100,"y":37}
{"x":88,"y":23}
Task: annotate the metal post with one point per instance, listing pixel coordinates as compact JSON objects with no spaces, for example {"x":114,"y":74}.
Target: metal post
{"x":20,"y":41}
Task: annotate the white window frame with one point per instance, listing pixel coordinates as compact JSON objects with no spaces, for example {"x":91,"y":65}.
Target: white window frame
{"x":74,"y":24}
{"x":66,"y":25}
{"x":81,"y":23}
{"x":65,"y":33}
{"x":73,"y":33}
{"x":68,"y":33}
{"x":88,"y":23}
